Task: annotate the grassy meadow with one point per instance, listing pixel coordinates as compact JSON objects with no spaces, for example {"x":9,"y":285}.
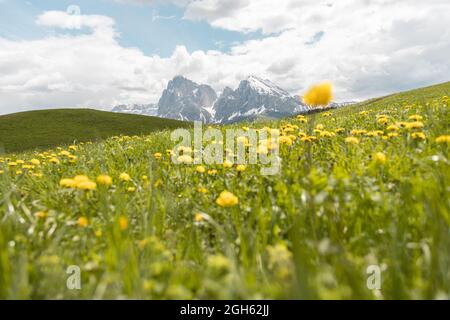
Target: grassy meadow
{"x":51,"y":128}
{"x":363,"y":185}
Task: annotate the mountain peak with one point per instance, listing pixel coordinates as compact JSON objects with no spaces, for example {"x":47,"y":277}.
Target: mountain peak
{"x":264,"y":86}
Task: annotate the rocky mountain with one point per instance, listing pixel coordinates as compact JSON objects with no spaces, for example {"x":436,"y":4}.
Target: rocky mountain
{"x":255,"y":97}
{"x":186,"y":100}
{"x":141,"y":109}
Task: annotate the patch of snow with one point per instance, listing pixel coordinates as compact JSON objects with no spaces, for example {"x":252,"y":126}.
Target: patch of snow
{"x":266,"y":87}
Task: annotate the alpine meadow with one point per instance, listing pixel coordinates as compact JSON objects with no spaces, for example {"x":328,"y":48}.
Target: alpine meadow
{"x":224,"y":159}
{"x":361,"y":189}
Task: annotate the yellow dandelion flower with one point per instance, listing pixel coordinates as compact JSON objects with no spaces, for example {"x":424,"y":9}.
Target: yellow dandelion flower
{"x":241,"y":168}
{"x":12,"y":164}
{"x":157,"y":155}
{"x":35,"y":162}
{"x":131,"y":189}
{"x":393,"y":127}
{"x":86,"y":185}
{"x":379,"y":157}
{"x":81,"y":178}
{"x":104,"y":180}
{"x":202,"y":189}
{"x":20,"y":161}
{"x":339,"y":130}
{"x":68,"y":183}
{"x":327,"y":134}
{"x":352,"y":140}
{"x":83,"y":222}
{"x":414,"y":125}
{"x":54,"y":160}
{"x":198,"y":217}
{"x":123,"y":223}
{"x":320,"y":127}
{"x":416,"y":117}
{"x":124,"y":177}
{"x":392,"y":134}
{"x":443,"y":139}
{"x":319,"y":95}
{"x":212,"y":172}
{"x":382,"y":121}
{"x":418,"y":136}
{"x":227,"y":164}
{"x":226,"y":199}
{"x":200,"y":169}
{"x":64,"y":153}
{"x":73,"y":148}
{"x":283,"y":140}
{"x":41,"y":214}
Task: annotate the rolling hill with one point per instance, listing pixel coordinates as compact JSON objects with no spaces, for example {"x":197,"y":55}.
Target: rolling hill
{"x":47,"y":128}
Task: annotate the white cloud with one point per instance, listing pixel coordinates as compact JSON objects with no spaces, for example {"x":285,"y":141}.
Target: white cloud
{"x":367,"y":48}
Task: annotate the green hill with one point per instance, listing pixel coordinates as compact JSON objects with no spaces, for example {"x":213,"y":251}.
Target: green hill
{"x":47,"y":128}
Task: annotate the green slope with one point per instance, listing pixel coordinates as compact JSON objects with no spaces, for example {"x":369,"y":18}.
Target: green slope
{"x":416,"y":95}
{"x":47,"y":128}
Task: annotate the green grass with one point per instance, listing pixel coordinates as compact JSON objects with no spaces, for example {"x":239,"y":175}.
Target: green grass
{"x":309,"y":232}
{"x":49,"y":128}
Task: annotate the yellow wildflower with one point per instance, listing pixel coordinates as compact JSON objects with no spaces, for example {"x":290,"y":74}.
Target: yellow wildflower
{"x":123,"y":223}
{"x":379,"y":157}
{"x":418,"y":136}
{"x":157,"y":155}
{"x":86,"y":185}
{"x":414,"y":125}
{"x":241,"y":167}
{"x":35,"y":162}
{"x":227,"y":164}
{"x":124,"y":177}
{"x":415,"y":117}
{"x":393,"y":127}
{"x":319,"y":95}
{"x":83,"y":222}
{"x":227,"y":199}
{"x":68,"y":183}
{"x":200,"y":169}
{"x":104,"y":180}
{"x":198,"y":217}
{"x":212,"y":172}
{"x":202,"y":189}
{"x":443,"y":139}
{"x":41,"y":214}
{"x":285,"y":140}
{"x":54,"y":160}
{"x":352,"y":140}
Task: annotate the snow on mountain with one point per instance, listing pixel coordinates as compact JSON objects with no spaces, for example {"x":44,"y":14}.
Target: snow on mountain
{"x":141,"y":109}
{"x":256,"y":97}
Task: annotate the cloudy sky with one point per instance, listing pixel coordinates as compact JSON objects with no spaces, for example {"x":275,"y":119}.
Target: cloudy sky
{"x":99,"y":53}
